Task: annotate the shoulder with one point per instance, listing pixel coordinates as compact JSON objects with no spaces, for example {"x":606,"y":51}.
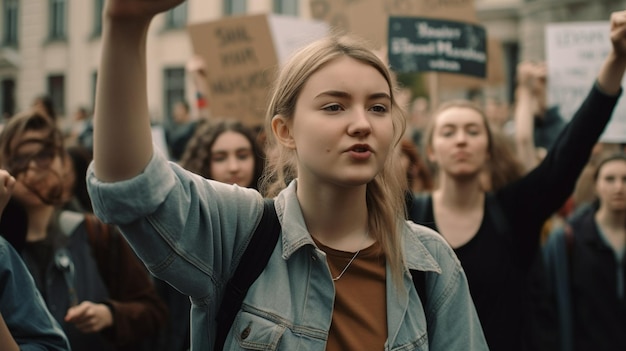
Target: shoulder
{"x":10,"y":261}
{"x":5,"y":251}
{"x":426,"y":249}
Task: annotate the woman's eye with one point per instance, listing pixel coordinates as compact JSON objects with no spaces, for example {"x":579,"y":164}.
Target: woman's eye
{"x":218,"y":158}
{"x":332,"y":108}
{"x":379,"y":108}
{"x":447,"y":132}
{"x":244,"y":156}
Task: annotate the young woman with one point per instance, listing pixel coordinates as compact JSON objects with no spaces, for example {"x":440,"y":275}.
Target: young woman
{"x":586,"y":267}
{"x":338,"y":279}
{"x":92,"y":282}
{"x":25,"y":322}
{"x":496,"y":235}
{"x":226,"y":151}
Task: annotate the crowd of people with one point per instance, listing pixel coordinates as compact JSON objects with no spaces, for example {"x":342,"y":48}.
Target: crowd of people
{"x":465,"y":226}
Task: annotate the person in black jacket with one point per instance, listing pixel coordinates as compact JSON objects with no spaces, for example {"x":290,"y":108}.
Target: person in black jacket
{"x":496,"y":235}
{"x":89,"y":277}
{"x":25,"y":322}
{"x":586,"y":267}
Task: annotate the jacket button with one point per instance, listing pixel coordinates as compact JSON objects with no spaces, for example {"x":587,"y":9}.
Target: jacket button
{"x":313,"y":257}
{"x":245,"y":333}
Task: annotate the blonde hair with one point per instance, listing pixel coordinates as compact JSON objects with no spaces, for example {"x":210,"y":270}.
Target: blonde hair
{"x":385,"y":193}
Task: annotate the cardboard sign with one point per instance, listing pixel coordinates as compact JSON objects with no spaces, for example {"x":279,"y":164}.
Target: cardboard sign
{"x":241,"y":55}
{"x":368,"y":18}
{"x":418,"y":44}
{"x":575,"y":53}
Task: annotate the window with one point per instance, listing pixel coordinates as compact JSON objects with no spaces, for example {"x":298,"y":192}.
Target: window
{"x":7,"y":97}
{"x":286,"y":7}
{"x":98,"y":6}
{"x":234,"y":7}
{"x":56,"y":92}
{"x":9,"y":27}
{"x":174,"y":90}
{"x":57,"y":19}
{"x":176,"y":17}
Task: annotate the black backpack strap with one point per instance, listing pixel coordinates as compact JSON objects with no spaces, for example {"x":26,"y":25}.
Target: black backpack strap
{"x":253,"y":262}
{"x":417,"y":208}
{"x":419,"y":281}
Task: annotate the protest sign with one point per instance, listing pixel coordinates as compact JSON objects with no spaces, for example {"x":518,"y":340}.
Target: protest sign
{"x":418,"y":44}
{"x":574,"y":54}
{"x":241,"y":55}
{"x":368,"y":18}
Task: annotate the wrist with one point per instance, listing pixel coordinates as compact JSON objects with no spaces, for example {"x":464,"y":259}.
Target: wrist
{"x":109,"y":306}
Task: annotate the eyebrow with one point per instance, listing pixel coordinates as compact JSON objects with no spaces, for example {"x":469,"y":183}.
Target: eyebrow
{"x":343,"y":94}
{"x":227,"y":151}
{"x":470,"y":124}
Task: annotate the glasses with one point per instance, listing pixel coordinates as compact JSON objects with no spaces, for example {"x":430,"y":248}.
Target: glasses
{"x":46,"y":183}
{"x":42,"y":159}
{"x":20,"y":163}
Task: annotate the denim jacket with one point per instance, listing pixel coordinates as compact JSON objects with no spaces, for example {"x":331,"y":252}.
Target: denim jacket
{"x":191,"y":232}
{"x":23,"y":308}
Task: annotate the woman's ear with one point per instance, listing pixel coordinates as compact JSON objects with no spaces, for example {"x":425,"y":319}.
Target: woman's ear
{"x":282,"y":130}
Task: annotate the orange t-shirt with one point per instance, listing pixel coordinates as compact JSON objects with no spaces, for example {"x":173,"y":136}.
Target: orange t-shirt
{"x":359,"y":319}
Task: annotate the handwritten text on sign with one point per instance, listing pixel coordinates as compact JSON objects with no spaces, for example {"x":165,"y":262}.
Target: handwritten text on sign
{"x":575,"y":52}
{"x":423,"y":44}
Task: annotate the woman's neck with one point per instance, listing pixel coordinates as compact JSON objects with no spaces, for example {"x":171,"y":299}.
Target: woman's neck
{"x":458,"y":194}
{"x":611,"y":220}
{"x":336,"y":216}
{"x":38,"y":220}
{"x":612,"y":226}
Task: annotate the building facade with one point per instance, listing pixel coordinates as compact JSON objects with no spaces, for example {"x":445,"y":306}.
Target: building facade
{"x":52,"y":47}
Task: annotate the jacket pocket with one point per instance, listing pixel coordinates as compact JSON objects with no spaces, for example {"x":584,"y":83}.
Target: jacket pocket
{"x":253,"y":332}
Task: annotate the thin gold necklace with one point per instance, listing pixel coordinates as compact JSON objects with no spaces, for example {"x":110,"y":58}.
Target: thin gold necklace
{"x":353,"y":257}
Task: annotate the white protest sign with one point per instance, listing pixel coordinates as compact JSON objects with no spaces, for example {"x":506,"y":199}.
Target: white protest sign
{"x":574,"y":53}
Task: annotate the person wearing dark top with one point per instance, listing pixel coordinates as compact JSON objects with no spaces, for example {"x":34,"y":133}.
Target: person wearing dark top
{"x":496,"y":235}
{"x":585,"y":264}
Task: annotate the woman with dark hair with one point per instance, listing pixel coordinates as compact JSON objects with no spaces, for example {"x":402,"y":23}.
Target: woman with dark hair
{"x":226,"y":151}
{"x":586,"y":267}
{"x":92,"y":282}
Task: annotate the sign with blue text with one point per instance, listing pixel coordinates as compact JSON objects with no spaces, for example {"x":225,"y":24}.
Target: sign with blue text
{"x":417,"y":44}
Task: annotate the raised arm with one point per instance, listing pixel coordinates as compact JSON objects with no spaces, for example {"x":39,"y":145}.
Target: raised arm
{"x":526,"y":103}
{"x":612,"y":71}
{"x":122,"y":136}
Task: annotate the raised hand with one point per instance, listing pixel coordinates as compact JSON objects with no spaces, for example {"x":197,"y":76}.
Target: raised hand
{"x":612,"y":71}
{"x":7,"y":183}
{"x":618,"y":33}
